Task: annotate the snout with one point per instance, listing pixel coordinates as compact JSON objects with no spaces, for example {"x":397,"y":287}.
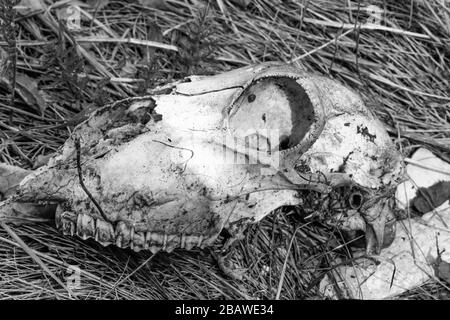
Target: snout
{"x":380,"y":224}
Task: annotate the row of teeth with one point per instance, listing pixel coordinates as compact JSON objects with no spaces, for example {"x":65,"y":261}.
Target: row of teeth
{"x":124,"y":236}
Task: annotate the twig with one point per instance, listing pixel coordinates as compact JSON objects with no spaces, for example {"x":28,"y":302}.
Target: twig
{"x":80,"y":177}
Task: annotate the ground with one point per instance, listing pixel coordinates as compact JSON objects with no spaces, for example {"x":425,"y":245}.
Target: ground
{"x":395,"y":53}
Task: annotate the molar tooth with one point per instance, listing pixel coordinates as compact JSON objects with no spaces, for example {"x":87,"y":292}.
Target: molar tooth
{"x":132,"y":232}
{"x":85,"y":226}
{"x":122,"y":234}
{"x":154,"y":238}
{"x":132,"y":238}
{"x":182,"y":241}
{"x":164,"y":242}
{"x":119,"y":241}
{"x":199,"y":241}
{"x":66,"y":216}
{"x":191,"y":241}
{"x":147,"y":240}
{"x":138,"y":241}
{"x":104,"y":232}
{"x":67,"y":227}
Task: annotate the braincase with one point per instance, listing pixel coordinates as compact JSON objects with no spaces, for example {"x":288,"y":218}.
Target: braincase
{"x":276,"y":105}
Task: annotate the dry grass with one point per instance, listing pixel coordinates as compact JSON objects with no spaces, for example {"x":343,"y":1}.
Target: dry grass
{"x":401,"y":68}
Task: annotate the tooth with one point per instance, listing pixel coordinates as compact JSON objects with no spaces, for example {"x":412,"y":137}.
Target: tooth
{"x":138,"y":241}
{"x":66,"y":222}
{"x":122,"y":235}
{"x":164,"y":244}
{"x":154,"y":238}
{"x":132,"y":238}
{"x":157,"y":241}
{"x":190,"y":242}
{"x":119,"y":241}
{"x":85,"y":226}
{"x":147,"y":240}
{"x":67,"y":227}
{"x":199,"y":241}
{"x":104,"y":232}
{"x":131,"y":232}
{"x":183,"y":241}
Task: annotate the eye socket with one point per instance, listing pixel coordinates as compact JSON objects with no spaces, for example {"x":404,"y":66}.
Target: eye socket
{"x":284,"y":142}
{"x":355,"y":200}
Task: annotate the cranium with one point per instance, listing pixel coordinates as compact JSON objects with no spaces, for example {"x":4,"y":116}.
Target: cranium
{"x":173,"y":169}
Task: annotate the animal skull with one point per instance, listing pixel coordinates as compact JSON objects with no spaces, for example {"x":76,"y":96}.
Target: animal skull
{"x":211,"y":152}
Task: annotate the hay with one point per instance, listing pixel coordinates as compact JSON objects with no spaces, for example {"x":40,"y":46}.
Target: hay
{"x":400,"y":67}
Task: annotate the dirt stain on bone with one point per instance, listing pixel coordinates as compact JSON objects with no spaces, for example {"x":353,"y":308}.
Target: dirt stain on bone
{"x":365,"y":133}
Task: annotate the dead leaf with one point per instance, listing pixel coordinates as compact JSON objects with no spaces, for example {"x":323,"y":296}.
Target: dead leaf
{"x":27,"y":88}
{"x":432,"y":197}
{"x":430,"y":182}
{"x":442,"y":270}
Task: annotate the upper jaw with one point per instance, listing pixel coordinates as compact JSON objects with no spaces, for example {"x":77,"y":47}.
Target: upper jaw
{"x":376,"y":219}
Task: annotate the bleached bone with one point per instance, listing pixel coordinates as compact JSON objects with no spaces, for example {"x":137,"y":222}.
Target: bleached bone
{"x":175,"y":168}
